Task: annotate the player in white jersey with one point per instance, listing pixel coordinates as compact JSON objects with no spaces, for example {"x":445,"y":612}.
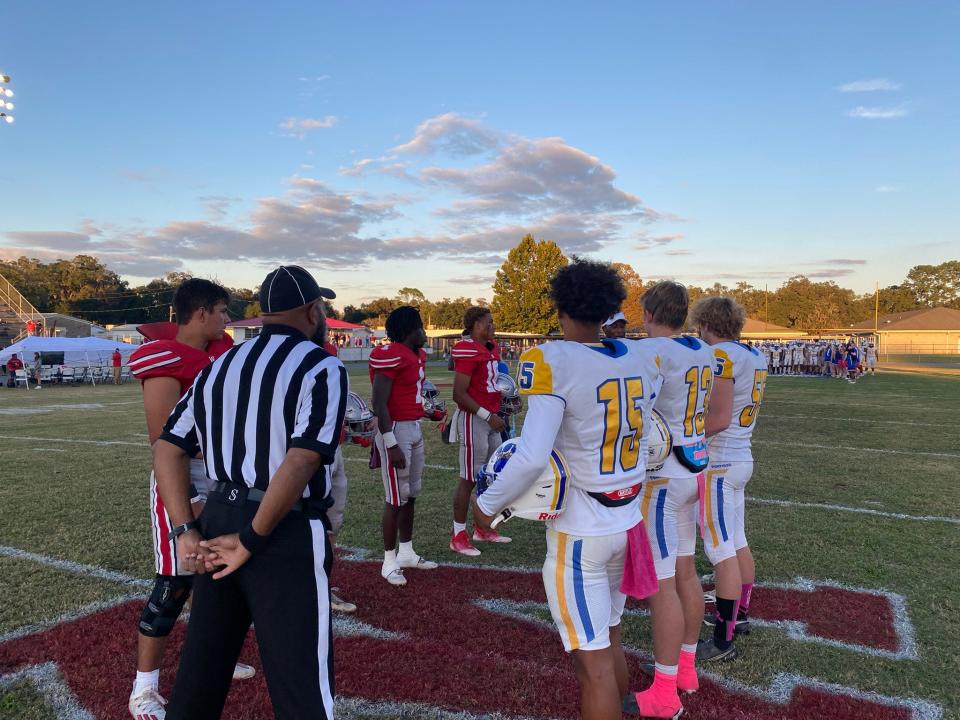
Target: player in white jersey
{"x":870,"y":354}
{"x":590,"y":401}
{"x":670,"y":494}
{"x":739,"y":379}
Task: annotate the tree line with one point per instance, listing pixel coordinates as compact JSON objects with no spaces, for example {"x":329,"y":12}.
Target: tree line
{"x":85,"y":287}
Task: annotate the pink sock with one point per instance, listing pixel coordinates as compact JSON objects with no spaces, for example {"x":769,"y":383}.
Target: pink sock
{"x":745,"y":592}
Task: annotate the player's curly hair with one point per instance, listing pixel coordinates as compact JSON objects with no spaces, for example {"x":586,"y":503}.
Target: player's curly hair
{"x":401,"y":322}
{"x":587,"y":290}
{"x":471,"y":316}
{"x":723,"y":315}
{"x":668,"y":302}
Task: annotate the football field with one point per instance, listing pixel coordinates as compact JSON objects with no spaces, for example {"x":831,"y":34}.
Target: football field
{"x":853,"y":515}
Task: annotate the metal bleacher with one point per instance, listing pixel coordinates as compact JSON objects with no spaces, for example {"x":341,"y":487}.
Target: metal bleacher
{"x":15,"y":311}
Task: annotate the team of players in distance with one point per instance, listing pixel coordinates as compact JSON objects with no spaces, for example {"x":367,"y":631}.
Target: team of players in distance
{"x":590,"y":403}
{"x":826,"y":358}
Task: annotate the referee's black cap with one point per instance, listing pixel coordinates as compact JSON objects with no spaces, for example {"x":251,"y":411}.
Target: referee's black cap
{"x":289,"y":287}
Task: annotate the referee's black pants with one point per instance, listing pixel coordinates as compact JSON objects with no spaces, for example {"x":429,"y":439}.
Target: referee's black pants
{"x":284,"y":591}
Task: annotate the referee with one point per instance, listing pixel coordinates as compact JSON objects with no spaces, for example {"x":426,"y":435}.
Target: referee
{"x":267,"y":416}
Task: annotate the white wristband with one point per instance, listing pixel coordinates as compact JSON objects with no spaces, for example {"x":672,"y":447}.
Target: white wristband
{"x":483,"y":414}
{"x":390,"y":440}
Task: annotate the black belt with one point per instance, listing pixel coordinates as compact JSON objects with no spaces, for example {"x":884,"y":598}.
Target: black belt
{"x":247,"y":493}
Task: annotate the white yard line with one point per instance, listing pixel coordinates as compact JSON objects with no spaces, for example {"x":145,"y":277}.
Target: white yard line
{"x":849,"y":509}
{"x":852,"y":448}
{"x":849,"y":419}
{"x":30,"y":438}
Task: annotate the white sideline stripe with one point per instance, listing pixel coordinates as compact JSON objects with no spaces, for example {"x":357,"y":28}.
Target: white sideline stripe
{"x":856,"y":449}
{"x":49,"y":683}
{"x":847,"y":508}
{"x":848,"y":419}
{"x":790,"y":503}
{"x":31,"y":438}
{"x":74,"y":567}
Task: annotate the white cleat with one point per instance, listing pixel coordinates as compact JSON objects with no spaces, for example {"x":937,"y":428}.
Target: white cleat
{"x":416,"y":561}
{"x":243,"y":672}
{"x":393,"y":575}
{"x":148,"y":705}
{"x":338,"y":604}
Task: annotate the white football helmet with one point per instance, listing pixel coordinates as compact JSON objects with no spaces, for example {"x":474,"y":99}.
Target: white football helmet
{"x":359,"y":420}
{"x":544,"y":500}
{"x":434,"y":406}
{"x":659,"y":442}
{"x":510,"y":402}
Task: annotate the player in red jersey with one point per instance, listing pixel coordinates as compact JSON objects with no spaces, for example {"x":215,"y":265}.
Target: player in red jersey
{"x":478,"y":426}
{"x":167,"y":367}
{"x":397,"y":372}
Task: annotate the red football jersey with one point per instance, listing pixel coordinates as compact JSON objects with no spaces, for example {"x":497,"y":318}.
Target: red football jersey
{"x":407,"y":370}
{"x":169,"y":358}
{"x":480,"y":363}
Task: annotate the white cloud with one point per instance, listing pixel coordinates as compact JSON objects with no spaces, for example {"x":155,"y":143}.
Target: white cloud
{"x":299,"y":127}
{"x":450,"y":133}
{"x":886,"y":189}
{"x":872,"y":85}
{"x":878,"y":113}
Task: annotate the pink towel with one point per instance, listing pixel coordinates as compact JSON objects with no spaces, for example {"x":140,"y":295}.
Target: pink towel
{"x":639,"y":574}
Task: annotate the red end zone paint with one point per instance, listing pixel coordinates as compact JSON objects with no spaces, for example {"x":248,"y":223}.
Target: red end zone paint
{"x":454,"y":654}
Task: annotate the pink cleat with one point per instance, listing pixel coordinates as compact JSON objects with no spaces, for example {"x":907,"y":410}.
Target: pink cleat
{"x":652,"y":704}
{"x":489,"y":536}
{"x":460,"y":543}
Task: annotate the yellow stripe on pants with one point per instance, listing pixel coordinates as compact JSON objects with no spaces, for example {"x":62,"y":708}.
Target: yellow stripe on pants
{"x":561,"y":593}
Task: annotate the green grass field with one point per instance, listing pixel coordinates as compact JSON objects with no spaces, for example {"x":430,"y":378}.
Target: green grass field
{"x":888,"y":445}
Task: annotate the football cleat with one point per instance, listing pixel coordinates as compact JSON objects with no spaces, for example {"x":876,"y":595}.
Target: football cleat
{"x":148,"y":705}
{"x":650,"y":705}
{"x":416,"y":561}
{"x":338,"y":604}
{"x":708,"y":652}
{"x":242,"y":671}
{"x":481,"y":535}
{"x":393,"y":575}
{"x":460,"y":543}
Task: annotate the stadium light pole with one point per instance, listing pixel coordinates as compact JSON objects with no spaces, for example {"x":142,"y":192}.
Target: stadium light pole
{"x":5,"y":95}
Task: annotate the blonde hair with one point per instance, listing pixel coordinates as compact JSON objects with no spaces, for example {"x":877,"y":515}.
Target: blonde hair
{"x":723,"y":315}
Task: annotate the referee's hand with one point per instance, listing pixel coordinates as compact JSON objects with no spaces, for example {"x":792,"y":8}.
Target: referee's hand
{"x":228,"y":554}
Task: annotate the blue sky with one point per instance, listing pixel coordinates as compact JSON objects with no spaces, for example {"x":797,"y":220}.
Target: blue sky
{"x":385,"y":145}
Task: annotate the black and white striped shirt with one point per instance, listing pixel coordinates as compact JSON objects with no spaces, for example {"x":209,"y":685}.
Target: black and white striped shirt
{"x":257,"y":401}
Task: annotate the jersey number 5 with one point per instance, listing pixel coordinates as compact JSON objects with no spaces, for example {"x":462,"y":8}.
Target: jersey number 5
{"x":748,"y":416}
{"x":617,"y":395}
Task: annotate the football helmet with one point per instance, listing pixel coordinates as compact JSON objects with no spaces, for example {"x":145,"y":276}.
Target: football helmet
{"x":359,"y":421}
{"x":659,"y":442}
{"x":434,"y":408}
{"x":544,"y":500}
{"x":510,"y":402}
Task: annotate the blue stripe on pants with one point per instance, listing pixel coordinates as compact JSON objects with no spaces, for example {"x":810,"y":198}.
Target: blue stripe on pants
{"x":578,"y":591}
{"x":661,"y":536}
{"x":723,"y":526}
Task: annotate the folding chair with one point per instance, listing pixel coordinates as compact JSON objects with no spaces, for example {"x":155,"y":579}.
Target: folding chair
{"x":21,"y":378}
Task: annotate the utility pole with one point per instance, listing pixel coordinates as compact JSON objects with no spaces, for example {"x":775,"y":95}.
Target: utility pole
{"x":170,"y":313}
{"x":766,"y":311}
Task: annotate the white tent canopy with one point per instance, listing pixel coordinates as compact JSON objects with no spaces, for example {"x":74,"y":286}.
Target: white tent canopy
{"x":76,"y":351}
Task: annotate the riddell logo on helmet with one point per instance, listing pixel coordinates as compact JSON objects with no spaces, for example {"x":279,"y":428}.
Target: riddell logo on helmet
{"x":548,"y":516}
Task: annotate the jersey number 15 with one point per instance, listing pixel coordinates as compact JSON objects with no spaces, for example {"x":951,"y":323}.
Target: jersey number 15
{"x":617,"y":395}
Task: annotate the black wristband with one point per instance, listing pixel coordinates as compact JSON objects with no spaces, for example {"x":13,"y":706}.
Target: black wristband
{"x":181,"y":529}
{"x":253,"y":542}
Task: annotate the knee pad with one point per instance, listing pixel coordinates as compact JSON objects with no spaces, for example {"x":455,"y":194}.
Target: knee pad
{"x":170,"y":592}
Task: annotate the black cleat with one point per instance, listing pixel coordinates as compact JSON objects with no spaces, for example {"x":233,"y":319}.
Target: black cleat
{"x":707,"y":652}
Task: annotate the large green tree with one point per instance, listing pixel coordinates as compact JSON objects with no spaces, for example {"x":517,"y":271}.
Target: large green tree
{"x":632,"y":308}
{"x":521,"y":291}
{"x":935,"y":285}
